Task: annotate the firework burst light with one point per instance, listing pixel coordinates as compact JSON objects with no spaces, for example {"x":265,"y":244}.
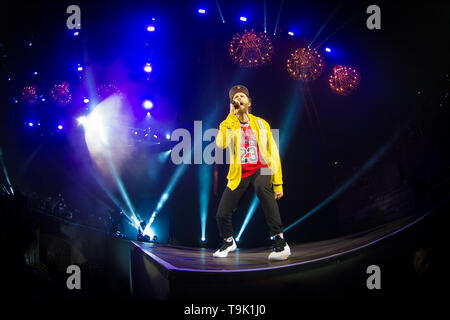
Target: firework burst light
{"x":251,"y":49}
{"x":305,"y":64}
{"x":29,"y":94}
{"x":61,"y":93}
{"x":344,"y":80}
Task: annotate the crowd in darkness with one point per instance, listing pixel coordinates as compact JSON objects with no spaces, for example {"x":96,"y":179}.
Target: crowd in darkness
{"x":110,"y":221}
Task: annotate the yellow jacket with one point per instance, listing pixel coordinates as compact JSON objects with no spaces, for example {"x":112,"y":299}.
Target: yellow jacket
{"x":230,"y":136}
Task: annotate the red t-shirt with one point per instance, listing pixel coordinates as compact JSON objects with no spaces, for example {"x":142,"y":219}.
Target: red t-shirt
{"x":250,"y":158}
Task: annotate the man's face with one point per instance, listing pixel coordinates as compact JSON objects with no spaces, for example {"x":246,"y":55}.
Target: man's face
{"x":243,"y":100}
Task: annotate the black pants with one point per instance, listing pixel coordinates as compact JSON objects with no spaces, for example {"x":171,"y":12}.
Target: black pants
{"x":230,"y":199}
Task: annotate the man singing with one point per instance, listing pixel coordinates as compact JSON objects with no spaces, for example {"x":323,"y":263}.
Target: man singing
{"x":254,"y":160}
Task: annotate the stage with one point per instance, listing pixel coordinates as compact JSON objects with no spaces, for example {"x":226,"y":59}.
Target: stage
{"x":330,"y":268}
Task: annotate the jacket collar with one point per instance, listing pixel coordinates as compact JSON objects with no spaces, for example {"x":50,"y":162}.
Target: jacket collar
{"x":254,"y":125}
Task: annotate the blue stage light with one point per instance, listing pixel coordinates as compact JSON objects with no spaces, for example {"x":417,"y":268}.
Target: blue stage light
{"x":148,"y":231}
{"x":327,"y":49}
{"x":76,"y":33}
{"x":86,"y":100}
{"x":249,"y":215}
{"x":82,"y":120}
{"x":150,"y":28}
{"x":147,"y":104}
{"x":168,"y":136}
{"x":290,"y":33}
{"x":30,"y":124}
{"x":243,"y":19}
{"x":148,"y":67}
{"x":60,"y":127}
{"x":202,"y":11}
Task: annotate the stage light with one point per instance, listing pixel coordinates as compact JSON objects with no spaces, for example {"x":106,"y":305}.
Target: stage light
{"x":30,"y":124}
{"x":305,"y":64}
{"x":60,"y":127}
{"x":205,"y":177}
{"x":163,"y":156}
{"x":155,"y":136}
{"x":202,"y":11}
{"x":344,"y":80}
{"x":82,"y":120}
{"x":86,"y":100}
{"x":80,"y":68}
{"x":148,"y":67}
{"x":243,"y":19}
{"x":150,"y":28}
{"x":29,"y":94}
{"x":148,"y":231}
{"x":249,"y":215}
{"x":35,"y":73}
{"x":251,"y":49}
{"x":203,"y":239}
{"x":147,"y":104}
{"x":172,"y":183}
{"x":168,"y":136}
{"x":76,"y":33}
{"x":60,"y":93}
{"x":327,"y":49}
{"x":290,"y":33}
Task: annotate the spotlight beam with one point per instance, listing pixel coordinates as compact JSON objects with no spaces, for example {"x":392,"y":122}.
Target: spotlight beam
{"x":251,"y":211}
{"x":356,"y":176}
{"x":134,"y":222}
{"x":171,"y":185}
{"x":336,"y":31}
{"x":6,"y":172}
{"x":220,"y":11}
{"x":265,"y":17}
{"x":278,"y":18}
{"x":324,"y":24}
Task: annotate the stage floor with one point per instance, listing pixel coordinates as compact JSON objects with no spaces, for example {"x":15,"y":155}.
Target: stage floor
{"x":189,"y":259}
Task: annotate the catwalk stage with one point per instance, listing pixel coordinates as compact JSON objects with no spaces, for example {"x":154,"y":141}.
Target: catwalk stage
{"x":333,"y":268}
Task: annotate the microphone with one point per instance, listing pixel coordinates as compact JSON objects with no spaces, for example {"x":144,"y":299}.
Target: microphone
{"x":235,"y":104}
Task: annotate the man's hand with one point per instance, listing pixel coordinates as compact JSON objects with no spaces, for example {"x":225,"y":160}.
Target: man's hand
{"x":278,"y":195}
{"x":233,"y":110}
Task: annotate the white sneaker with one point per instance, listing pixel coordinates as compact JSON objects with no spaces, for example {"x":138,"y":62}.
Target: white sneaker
{"x":225,"y":249}
{"x":281,"y":250}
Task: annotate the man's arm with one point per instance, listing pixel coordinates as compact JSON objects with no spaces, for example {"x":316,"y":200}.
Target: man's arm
{"x":226,"y":129}
{"x":275,"y":162}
